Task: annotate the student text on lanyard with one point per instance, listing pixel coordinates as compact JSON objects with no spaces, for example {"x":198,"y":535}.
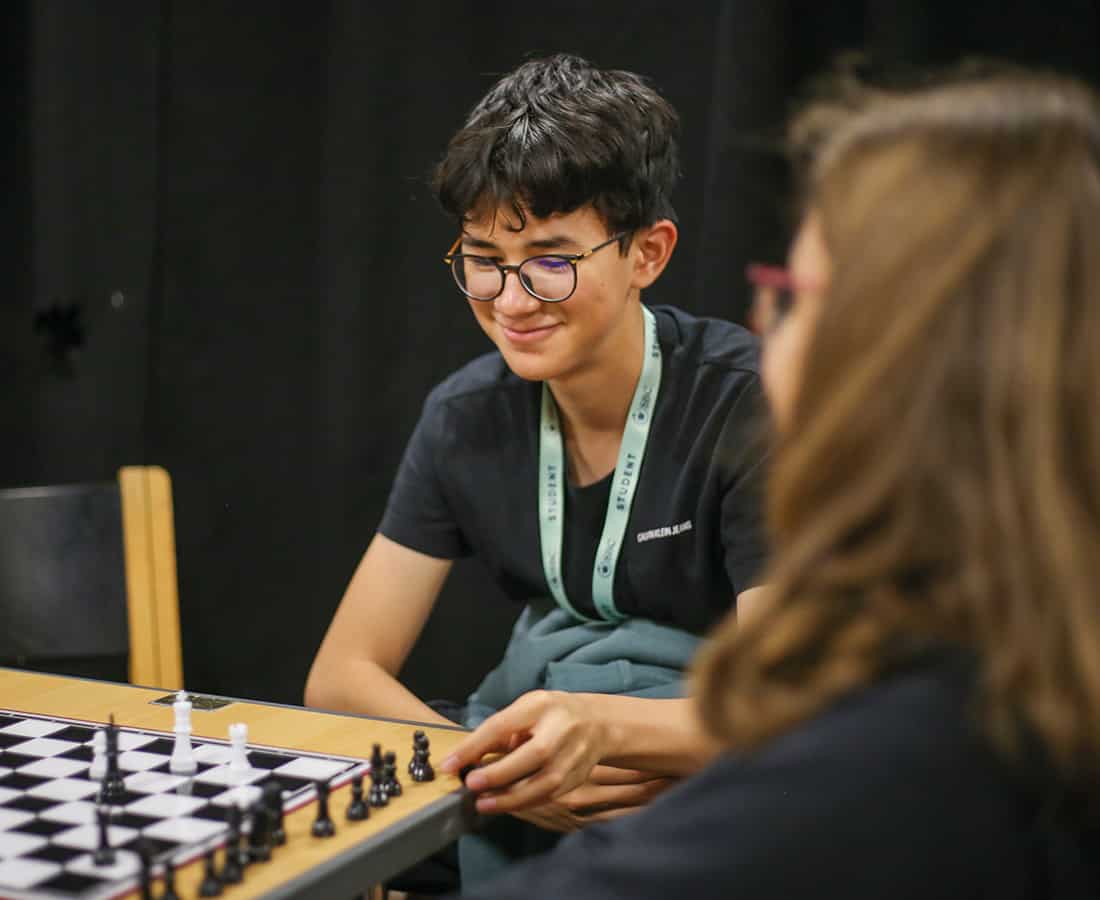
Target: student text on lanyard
{"x":552,"y":485}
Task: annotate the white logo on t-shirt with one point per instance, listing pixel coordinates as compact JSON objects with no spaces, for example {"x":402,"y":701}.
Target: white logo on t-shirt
{"x":668,"y":531}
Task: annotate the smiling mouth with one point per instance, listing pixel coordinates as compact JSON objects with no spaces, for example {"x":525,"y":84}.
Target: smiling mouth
{"x":526,"y":335}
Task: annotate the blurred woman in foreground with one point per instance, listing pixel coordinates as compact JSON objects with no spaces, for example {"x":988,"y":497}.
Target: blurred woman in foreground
{"x":916,"y":713}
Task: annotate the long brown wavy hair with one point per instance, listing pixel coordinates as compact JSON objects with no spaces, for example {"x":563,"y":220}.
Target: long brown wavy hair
{"x":940,"y":477}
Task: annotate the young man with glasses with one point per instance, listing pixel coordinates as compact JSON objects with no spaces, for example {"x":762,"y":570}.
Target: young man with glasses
{"x":603,"y":462}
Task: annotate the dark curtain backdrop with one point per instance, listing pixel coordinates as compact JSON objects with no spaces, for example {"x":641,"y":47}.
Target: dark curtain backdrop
{"x":223,"y":256}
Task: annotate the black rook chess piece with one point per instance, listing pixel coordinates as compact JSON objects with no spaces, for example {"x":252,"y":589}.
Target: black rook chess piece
{"x":323,"y":826}
{"x":357,"y":809}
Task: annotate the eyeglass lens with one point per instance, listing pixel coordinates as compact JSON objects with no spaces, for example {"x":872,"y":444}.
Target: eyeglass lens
{"x":545,"y":277}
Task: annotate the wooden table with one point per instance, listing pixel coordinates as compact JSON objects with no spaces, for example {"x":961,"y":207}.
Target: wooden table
{"x":425,"y":818}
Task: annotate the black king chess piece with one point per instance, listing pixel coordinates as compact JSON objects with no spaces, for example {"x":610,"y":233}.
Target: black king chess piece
{"x":357,"y":809}
{"x":113,"y":789}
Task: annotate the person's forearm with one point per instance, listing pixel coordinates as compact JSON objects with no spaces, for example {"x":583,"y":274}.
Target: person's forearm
{"x":364,"y":687}
{"x":663,"y":736}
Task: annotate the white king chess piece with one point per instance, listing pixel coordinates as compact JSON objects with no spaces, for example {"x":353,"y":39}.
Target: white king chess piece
{"x":183,"y":757}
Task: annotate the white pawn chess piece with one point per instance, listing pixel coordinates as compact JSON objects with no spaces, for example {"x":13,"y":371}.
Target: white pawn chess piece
{"x":99,"y":756}
{"x":183,"y":756}
{"x":238,"y":748}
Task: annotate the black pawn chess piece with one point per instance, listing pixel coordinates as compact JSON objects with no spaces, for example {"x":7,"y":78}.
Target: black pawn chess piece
{"x":232,"y":871}
{"x":113,"y":789}
{"x":419,"y":766}
{"x":357,"y":809}
{"x":104,"y":854}
{"x":323,"y":826}
{"x":169,"y":892}
{"x":273,"y":799}
{"x":378,"y":796}
{"x":419,"y":739}
{"x":259,"y":837}
{"x":145,"y":859}
{"x":389,"y":770}
{"x":211,"y":885}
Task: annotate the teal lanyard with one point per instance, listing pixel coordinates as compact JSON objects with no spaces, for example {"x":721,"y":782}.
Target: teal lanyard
{"x":552,"y":485}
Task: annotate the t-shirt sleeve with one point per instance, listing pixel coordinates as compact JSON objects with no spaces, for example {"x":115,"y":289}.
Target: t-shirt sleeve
{"x":419,"y":514}
{"x":742,"y":456}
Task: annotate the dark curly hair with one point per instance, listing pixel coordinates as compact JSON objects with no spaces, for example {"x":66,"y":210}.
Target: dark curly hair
{"x":558,"y":134}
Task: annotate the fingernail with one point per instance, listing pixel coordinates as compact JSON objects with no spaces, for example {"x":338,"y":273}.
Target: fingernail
{"x":449,"y":766}
{"x":475,"y":781}
{"x":486,"y":804}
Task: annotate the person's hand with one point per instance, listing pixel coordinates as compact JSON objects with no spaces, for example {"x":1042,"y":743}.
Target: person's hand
{"x":608,"y":794}
{"x":550,"y":743}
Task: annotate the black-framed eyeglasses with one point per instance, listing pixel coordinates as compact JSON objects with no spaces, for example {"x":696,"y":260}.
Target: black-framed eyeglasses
{"x":551,"y":277}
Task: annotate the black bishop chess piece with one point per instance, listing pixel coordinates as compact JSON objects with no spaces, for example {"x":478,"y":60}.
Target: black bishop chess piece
{"x":357,"y":808}
{"x":419,"y":767}
{"x":113,"y":789}
{"x":378,"y":796}
{"x":232,"y":871}
{"x":104,"y":854}
{"x":323,"y":826}
{"x":211,"y":885}
{"x":389,"y":771}
{"x":272,"y":796}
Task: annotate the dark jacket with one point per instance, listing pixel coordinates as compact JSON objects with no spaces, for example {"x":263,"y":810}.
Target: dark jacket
{"x":890,"y":793}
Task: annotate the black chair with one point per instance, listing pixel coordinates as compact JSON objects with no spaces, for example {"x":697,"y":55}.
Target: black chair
{"x":88,"y":580}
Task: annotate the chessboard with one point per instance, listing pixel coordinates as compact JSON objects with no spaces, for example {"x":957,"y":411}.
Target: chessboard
{"x":48,"y":824}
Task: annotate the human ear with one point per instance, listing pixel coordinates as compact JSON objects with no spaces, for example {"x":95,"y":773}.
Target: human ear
{"x":651,"y":250}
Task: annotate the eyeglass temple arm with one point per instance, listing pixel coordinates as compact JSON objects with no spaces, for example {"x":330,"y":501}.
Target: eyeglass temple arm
{"x":768,"y":276}
{"x":577,"y":257}
{"x":450,"y":253}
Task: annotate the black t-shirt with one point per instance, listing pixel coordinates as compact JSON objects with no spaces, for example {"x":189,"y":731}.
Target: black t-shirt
{"x":468,"y":483}
{"x":892,"y":793}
